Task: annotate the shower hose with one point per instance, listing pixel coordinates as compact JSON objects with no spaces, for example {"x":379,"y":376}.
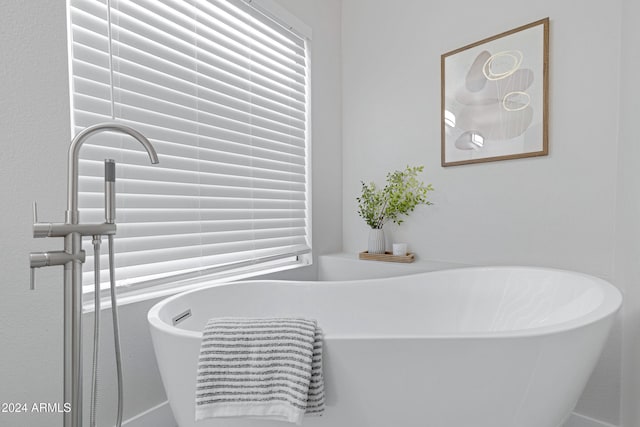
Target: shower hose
{"x":97,"y":240}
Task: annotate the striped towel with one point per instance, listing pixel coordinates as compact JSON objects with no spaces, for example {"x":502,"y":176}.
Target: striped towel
{"x":269,"y":368}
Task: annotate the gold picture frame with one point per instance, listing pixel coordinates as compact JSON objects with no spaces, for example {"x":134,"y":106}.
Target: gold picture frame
{"x":495,"y":97}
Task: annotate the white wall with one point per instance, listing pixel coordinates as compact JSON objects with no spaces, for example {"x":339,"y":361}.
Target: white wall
{"x":628,"y":226}
{"x":35,"y":135}
{"x":556,"y":211}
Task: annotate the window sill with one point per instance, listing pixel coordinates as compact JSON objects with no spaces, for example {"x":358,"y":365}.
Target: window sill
{"x":152,"y":290}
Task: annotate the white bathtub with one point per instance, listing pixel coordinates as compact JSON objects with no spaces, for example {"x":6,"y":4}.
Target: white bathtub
{"x":476,"y":347}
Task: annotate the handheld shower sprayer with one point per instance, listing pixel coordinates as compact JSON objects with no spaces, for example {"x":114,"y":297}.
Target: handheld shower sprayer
{"x":110,"y":191}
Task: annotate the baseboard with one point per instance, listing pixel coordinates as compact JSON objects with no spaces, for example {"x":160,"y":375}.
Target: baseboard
{"x":158,"y":416}
{"x":577,"y":420}
{"x":161,"y":416}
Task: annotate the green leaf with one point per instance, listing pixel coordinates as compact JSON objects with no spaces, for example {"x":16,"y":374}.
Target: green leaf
{"x":401,"y":194}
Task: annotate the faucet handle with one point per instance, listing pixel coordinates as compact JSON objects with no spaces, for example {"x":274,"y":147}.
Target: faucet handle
{"x":45,"y":259}
{"x":39,"y":229}
{"x":36,"y":260}
{"x":32,"y":269}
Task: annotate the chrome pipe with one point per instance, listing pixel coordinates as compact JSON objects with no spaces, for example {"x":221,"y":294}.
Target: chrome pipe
{"x":72,"y":388}
{"x":51,"y":229}
{"x":74,"y":151}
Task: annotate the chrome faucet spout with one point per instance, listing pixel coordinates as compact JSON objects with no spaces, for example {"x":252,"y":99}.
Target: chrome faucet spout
{"x":74,"y":151}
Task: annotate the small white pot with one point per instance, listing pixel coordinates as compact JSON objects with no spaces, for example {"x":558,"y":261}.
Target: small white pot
{"x":376,"y":241}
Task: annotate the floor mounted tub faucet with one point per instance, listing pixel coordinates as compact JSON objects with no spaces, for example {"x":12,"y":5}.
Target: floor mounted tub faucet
{"x":72,"y":258}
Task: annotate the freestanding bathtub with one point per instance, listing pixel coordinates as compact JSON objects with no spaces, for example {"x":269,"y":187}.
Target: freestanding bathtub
{"x":474,"y":347}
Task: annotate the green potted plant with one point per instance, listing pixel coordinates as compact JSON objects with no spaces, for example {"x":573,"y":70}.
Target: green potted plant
{"x":400,"y":196}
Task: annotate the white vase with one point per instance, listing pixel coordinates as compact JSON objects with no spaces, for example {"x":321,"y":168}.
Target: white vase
{"x":376,"y":241}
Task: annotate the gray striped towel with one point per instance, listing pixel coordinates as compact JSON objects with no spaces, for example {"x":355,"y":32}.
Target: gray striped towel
{"x":268,"y":368}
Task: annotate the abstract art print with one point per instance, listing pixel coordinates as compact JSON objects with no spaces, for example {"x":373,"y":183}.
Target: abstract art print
{"x":495,"y":97}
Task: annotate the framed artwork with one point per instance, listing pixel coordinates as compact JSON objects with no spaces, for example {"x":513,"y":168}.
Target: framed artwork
{"x":495,"y":97}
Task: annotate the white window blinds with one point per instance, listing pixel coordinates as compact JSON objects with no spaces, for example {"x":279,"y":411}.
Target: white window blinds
{"x":221,"y":91}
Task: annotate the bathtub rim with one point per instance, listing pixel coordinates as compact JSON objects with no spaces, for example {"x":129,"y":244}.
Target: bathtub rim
{"x":611,"y":304}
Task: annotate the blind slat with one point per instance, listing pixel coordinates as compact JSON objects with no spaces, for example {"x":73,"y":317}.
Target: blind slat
{"x":212,"y":39}
{"x":210,"y":90}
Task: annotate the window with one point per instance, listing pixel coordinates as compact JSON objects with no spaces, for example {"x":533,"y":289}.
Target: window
{"x":220,"y":88}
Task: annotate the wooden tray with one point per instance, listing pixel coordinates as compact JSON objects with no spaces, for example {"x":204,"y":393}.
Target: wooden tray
{"x":387,"y":256}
